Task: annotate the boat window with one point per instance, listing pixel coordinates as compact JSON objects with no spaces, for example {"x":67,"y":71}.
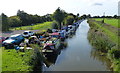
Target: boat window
{"x":25,"y":33}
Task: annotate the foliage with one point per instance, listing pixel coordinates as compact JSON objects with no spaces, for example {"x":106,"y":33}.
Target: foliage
{"x":115,"y":53}
{"x":55,"y":25}
{"x":59,"y":16}
{"x":69,"y":20}
{"x":49,"y":30}
{"x":5,"y":25}
{"x":28,"y":19}
{"x":14,"y":21}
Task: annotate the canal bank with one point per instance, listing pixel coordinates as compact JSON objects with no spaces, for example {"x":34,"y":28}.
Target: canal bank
{"x":105,"y":38}
{"x":79,"y":55}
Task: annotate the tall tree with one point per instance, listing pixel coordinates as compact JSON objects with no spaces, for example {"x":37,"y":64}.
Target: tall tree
{"x":59,"y":16}
{"x":24,"y":17}
{"x":5,"y":25}
{"x":78,"y":14}
{"x":69,"y":20}
{"x":14,"y":21}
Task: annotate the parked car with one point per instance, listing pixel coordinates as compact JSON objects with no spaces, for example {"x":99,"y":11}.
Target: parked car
{"x":2,"y":39}
{"x":13,"y":40}
{"x":28,"y":33}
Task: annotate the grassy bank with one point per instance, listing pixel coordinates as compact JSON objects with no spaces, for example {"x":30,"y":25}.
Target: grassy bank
{"x":105,"y":40}
{"x":15,"y":61}
{"x":0,"y":60}
{"x":27,"y":60}
{"x":39,"y":26}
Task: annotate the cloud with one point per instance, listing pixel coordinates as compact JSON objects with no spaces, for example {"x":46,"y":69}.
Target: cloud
{"x":97,"y":4}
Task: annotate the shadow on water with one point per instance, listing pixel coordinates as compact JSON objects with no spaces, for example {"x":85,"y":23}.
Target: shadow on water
{"x":52,"y":57}
{"x":96,"y":55}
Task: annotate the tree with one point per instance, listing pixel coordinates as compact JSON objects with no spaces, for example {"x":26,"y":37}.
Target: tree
{"x":115,"y":16}
{"x":84,"y":16}
{"x":14,"y":21}
{"x":88,"y":16}
{"x":55,"y":25}
{"x":23,"y":17}
{"x":59,"y":16}
{"x":78,"y":14}
{"x":69,"y":20}
{"x":5,"y":25}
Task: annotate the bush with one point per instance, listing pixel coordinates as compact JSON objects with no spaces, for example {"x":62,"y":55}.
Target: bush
{"x":55,"y":25}
{"x":69,"y":20}
{"x":49,"y":30}
{"x":115,"y":53}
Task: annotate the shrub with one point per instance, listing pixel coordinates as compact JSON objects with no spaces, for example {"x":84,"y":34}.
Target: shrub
{"x":55,"y":25}
{"x":69,"y":20}
{"x":115,"y":53}
{"x":49,"y":30}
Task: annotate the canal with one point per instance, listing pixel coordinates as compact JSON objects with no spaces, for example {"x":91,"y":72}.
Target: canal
{"x":79,"y":55}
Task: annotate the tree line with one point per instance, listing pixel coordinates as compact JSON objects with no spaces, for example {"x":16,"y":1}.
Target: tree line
{"x":115,"y":16}
{"x":22,"y":19}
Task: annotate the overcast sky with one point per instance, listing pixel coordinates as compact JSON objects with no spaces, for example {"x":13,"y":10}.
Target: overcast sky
{"x":42,"y":7}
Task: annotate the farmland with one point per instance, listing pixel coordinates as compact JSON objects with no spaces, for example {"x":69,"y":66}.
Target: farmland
{"x":38,"y":26}
{"x":111,"y":21}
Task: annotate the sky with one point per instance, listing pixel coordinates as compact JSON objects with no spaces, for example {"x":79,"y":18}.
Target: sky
{"x":43,"y":7}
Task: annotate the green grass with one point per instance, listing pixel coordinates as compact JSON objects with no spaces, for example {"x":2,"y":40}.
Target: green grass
{"x":0,"y":60}
{"x":15,"y":61}
{"x":102,"y":38}
{"x":39,"y":26}
{"x":111,"y":21}
{"x":112,"y":36}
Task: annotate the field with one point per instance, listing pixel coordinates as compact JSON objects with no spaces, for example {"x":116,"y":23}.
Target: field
{"x":111,"y":21}
{"x":39,"y":26}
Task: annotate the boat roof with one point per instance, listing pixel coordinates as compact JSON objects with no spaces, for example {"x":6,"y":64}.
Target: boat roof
{"x":65,"y":27}
{"x":27,"y":31}
{"x":15,"y":35}
{"x":56,"y":33}
{"x":69,"y":25}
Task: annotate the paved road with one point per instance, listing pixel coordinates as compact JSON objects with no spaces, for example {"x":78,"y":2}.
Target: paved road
{"x":9,"y":33}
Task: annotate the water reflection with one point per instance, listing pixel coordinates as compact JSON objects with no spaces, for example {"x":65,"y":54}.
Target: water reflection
{"x":96,"y":55}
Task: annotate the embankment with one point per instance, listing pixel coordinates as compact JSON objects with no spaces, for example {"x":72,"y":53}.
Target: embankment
{"x":105,"y":39}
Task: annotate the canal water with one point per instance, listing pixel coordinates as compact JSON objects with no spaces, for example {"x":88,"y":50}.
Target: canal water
{"x":79,"y":55}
